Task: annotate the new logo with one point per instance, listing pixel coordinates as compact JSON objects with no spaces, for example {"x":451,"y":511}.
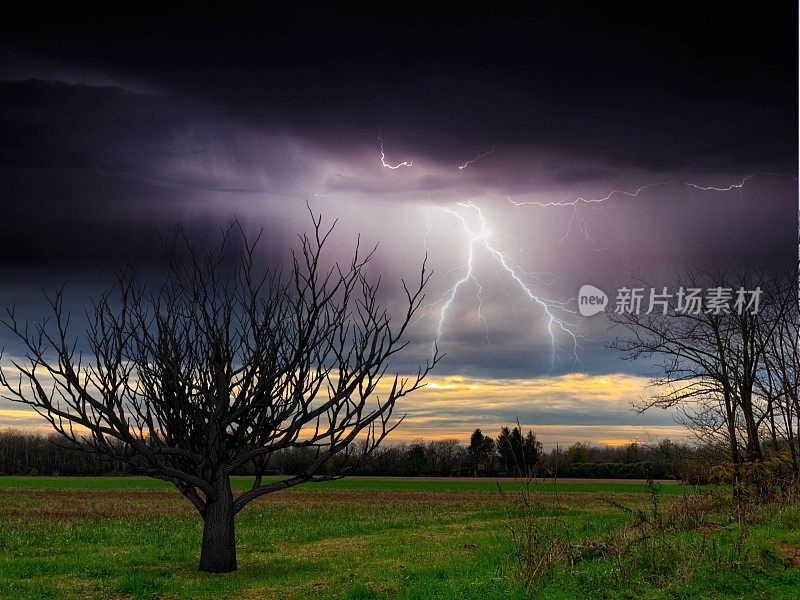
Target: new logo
{"x":591,"y":300}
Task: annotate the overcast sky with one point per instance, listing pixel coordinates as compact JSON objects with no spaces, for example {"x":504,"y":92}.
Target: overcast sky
{"x":403,"y":124}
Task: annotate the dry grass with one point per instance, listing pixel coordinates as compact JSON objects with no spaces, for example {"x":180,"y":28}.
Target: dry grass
{"x":68,"y":504}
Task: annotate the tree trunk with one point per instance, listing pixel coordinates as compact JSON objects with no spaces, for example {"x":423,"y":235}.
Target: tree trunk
{"x":218,"y":554}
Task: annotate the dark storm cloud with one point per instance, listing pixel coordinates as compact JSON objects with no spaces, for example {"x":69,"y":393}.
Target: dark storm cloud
{"x":97,"y":173}
{"x":343,"y":183}
{"x":602,"y":89}
{"x":622,"y":85}
{"x":57,"y":125}
{"x":563,"y":174}
{"x":114,"y":130}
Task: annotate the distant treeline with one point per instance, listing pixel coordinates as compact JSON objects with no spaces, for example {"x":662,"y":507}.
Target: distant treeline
{"x":510,"y":453}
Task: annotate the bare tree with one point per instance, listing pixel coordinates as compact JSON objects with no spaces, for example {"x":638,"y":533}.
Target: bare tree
{"x":778,"y":383}
{"x":711,"y":362}
{"x":220,"y":367}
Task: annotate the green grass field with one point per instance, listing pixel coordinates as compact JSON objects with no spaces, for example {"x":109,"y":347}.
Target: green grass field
{"x":431,"y":484}
{"x":367,"y":538}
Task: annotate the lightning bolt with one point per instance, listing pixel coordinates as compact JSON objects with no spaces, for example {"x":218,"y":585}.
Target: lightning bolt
{"x":737,"y":185}
{"x":581,"y":200}
{"x":480,"y":238}
{"x":476,"y":159}
{"x":468,"y":219}
{"x":575,"y":203}
{"x":405,"y":163}
{"x":731,"y":187}
{"x":576,"y":217}
{"x":451,"y":295}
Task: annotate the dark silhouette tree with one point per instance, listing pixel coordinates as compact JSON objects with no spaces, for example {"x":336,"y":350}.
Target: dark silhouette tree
{"x":481,"y":450}
{"x":222,"y":365}
{"x":418,"y":458}
{"x":718,"y":366}
{"x":518,"y":453}
{"x":531,"y":450}
{"x":779,"y":380}
{"x":632,"y":453}
{"x":505,"y":448}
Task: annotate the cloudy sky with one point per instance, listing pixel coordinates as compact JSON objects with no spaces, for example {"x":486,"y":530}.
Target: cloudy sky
{"x":555,"y":147}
